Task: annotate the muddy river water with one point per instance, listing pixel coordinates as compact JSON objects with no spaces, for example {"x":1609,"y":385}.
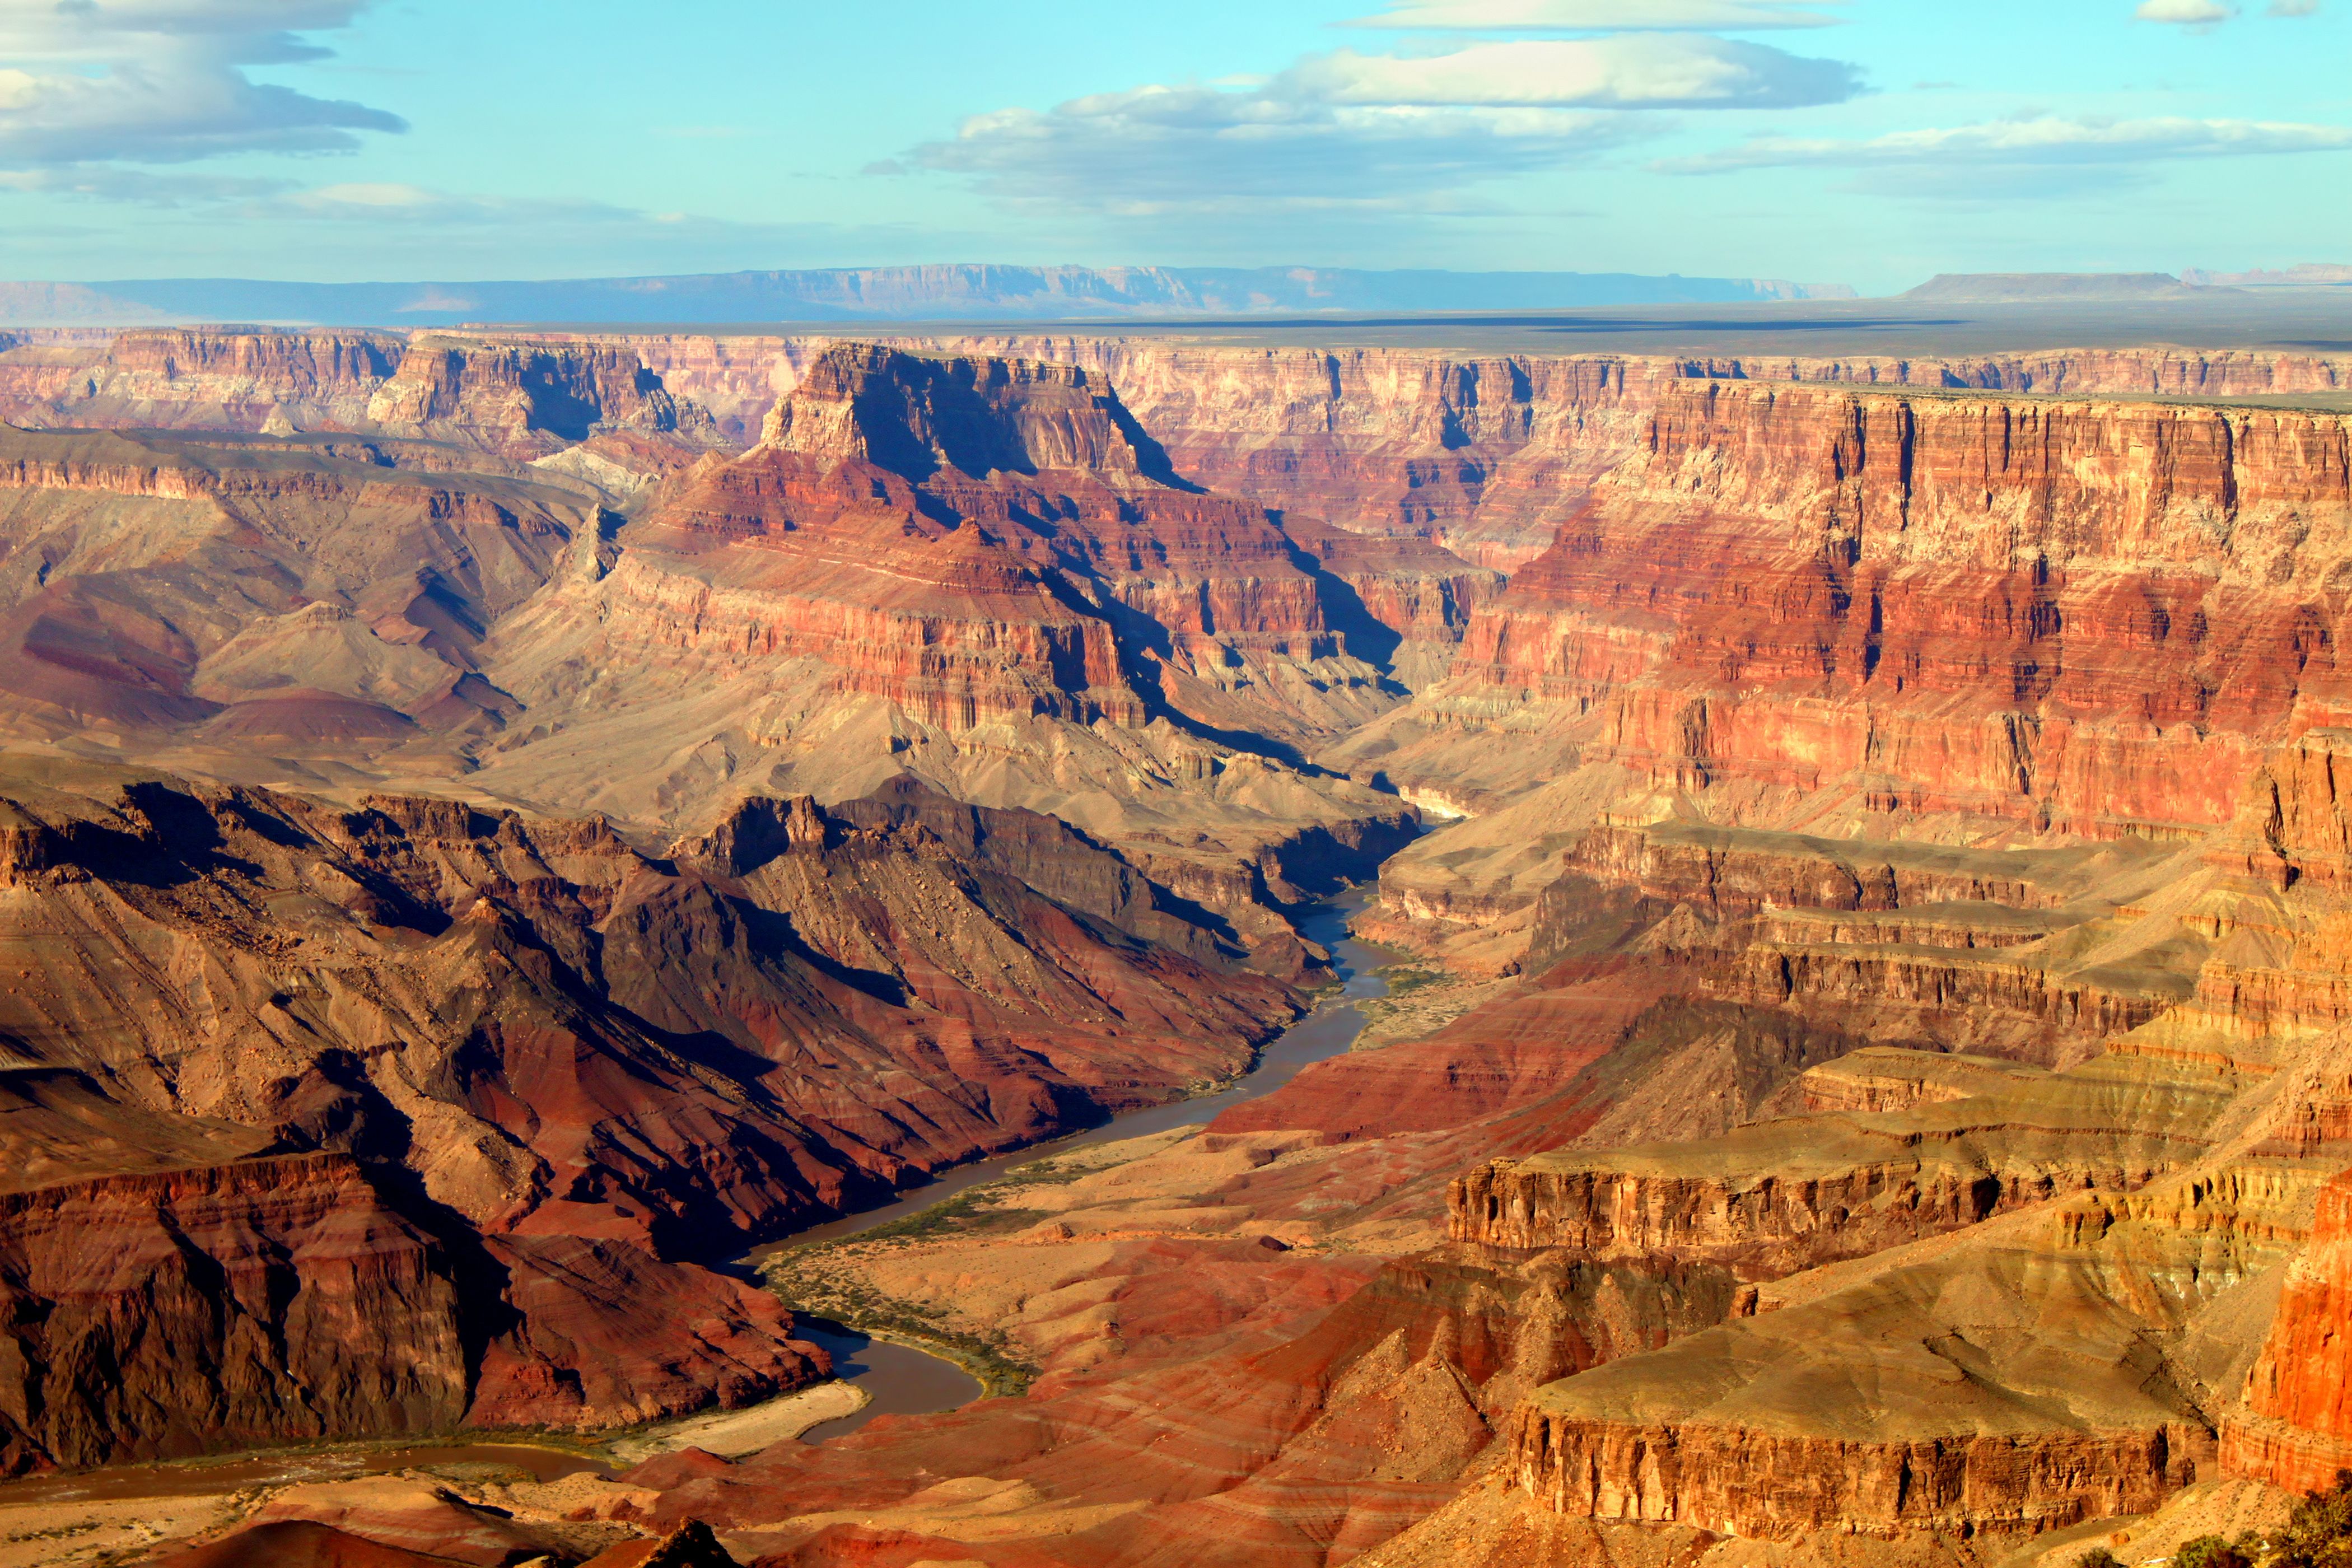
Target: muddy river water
{"x":897,"y":1379}
{"x":900,"y":1380}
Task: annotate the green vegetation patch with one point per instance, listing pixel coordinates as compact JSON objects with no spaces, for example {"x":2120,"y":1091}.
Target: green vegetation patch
{"x":1406,"y":978}
{"x":818,"y":1278}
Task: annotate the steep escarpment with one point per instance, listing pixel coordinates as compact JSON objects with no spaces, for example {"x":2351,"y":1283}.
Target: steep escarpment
{"x":223,"y":1305}
{"x":526,"y":400}
{"x":516,"y":400}
{"x":1485,"y":455}
{"x":328,"y":1122}
{"x":1989,"y":584}
{"x":2295,"y":1429}
{"x":1891,"y":616}
{"x":200,"y":379}
{"x":980,"y":571}
{"x":983,"y":573}
{"x":305,"y":593}
{"x":1906,"y":1402}
{"x":1778,"y":1196}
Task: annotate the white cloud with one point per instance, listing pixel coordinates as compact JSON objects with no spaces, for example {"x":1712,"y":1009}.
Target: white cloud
{"x":1593,"y":73}
{"x":2185,"y":13}
{"x":112,"y":183}
{"x":1162,"y":150}
{"x":2042,"y":142}
{"x":371,"y":202}
{"x":1349,"y":130}
{"x":1601,"y":16}
{"x":163,"y":82}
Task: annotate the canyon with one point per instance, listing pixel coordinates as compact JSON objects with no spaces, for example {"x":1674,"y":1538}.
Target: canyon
{"x":499,"y":826}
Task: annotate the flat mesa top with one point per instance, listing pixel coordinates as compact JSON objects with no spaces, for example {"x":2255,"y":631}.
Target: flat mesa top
{"x":2315,"y":321}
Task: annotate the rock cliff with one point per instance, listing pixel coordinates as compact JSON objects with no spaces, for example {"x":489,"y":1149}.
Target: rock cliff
{"x":2296,"y":1430}
{"x":419,"y":1113}
{"x":985,"y":573}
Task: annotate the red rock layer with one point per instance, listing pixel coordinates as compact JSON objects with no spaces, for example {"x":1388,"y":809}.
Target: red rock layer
{"x":982,"y":539}
{"x":171,"y":1313}
{"x":2296,"y":1430}
{"x":571,"y":1066}
{"x":2086,"y":615}
{"x":1740,"y":1481}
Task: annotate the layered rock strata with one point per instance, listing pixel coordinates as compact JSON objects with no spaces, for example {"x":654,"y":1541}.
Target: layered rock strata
{"x":1779,"y":1195}
{"x":2295,"y":1431}
{"x":983,"y":573}
{"x":424,"y":1109}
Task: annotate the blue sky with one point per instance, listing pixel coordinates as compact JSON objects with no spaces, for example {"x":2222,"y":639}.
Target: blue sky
{"x":1866,"y":141}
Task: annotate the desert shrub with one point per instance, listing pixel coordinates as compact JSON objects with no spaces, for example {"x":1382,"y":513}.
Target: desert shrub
{"x":2212,"y":1552}
{"x":2319,"y":1532}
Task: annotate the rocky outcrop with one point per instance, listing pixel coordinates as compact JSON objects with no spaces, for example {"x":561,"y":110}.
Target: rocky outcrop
{"x":527,"y":400}
{"x":1621,"y":1214}
{"x":514,"y":1077}
{"x":914,"y":415}
{"x":191,"y":1310}
{"x":204,"y":379}
{"x":2296,"y":1430}
{"x":1727,"y":871}
{"x":1779,"y":1196}
{"x":1849,"y":1413}
{"x":172,"y":1314}
{"x":1925,"y":601}
{"x":1763,"y":1485}
{"x":973,"y":541}
{"x":1879,"y":1079}
{"x":514,"y":399}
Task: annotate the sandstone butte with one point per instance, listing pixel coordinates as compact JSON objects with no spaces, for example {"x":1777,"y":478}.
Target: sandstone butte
{"x":497,"y":825}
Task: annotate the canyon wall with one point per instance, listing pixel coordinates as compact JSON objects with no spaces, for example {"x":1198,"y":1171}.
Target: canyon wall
{"x":2089,"y":616}
{"x":429,"y":1114}
{"x":1884,"y":975}
{"x":1485,"y":454}
{"x":2296,"y":1430}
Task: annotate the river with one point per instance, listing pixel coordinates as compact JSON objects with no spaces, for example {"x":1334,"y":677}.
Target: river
{"x":897,"y":1379}
{"x":900,"y":1380}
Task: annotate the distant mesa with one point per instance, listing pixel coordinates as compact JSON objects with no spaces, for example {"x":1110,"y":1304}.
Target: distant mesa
{"x":961,"y":292}
{"x":2028,"y":288}
{"x":2305,"y":275}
